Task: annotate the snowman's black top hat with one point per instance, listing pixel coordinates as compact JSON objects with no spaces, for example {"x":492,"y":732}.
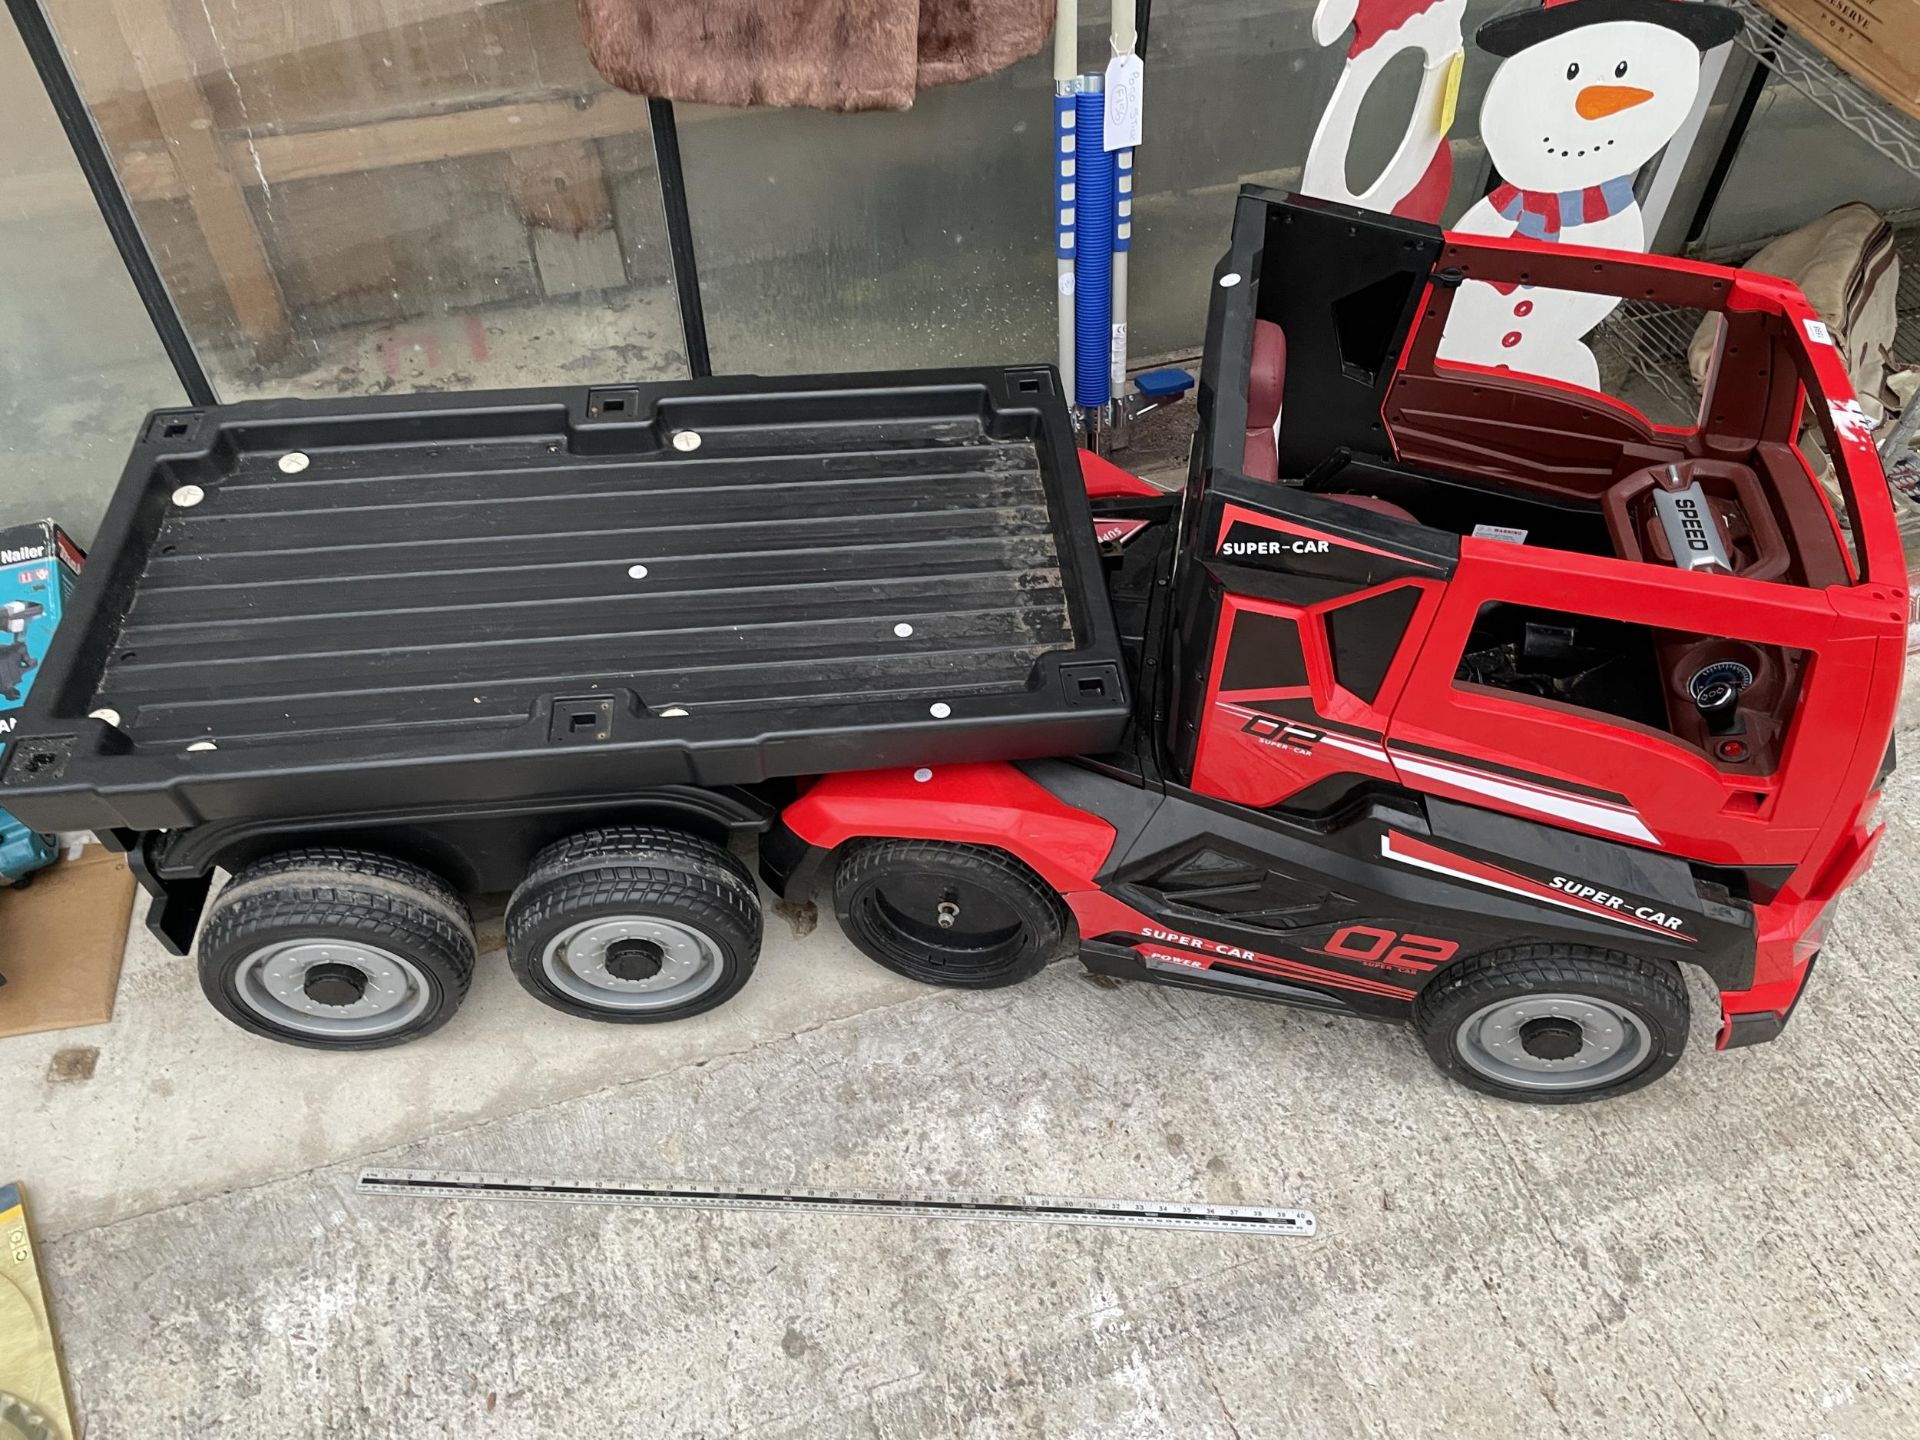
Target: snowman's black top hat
{"x":1509,"y":34}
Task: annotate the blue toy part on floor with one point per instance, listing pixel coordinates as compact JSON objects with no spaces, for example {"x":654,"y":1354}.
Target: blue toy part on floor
{"x":22,"y":851}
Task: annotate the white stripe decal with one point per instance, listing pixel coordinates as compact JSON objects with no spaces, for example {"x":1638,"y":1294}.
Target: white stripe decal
{"x":1358,"y":747}
{"x":1594,"y":814}
{"x":1386,"y":849}
{"x":1542,"y":800}
{"x":1525,"y":784}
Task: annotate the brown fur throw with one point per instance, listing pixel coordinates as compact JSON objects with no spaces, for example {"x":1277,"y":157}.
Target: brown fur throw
{"x":823,"y":54}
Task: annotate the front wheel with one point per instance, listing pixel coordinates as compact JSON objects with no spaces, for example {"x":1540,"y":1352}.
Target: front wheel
{"x":1555,"y":1024}
{"x":959,"y":915}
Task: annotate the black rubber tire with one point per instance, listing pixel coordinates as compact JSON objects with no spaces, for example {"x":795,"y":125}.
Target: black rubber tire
{"x":1654,"y":990}
{"x":635,"y":869}
{"x":353,"y":895}
{"x":1041,"y":917}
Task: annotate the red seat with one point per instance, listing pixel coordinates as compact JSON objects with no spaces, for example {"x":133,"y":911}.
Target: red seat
{"x":1266,"y":383}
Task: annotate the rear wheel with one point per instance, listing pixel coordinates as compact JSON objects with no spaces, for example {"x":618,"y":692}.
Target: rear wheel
{"x":959,"y":915}
{"x":336,"y":950}
{"x":1555,"y":1024}
{"x":633,"y":925}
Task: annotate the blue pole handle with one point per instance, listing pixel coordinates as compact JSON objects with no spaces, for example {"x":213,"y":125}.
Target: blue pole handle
{"x":1093,"y":242}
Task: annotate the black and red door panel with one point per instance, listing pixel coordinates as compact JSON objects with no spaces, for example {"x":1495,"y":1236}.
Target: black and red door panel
{"x":1358,"y":913}
{"x":1301,"y":619}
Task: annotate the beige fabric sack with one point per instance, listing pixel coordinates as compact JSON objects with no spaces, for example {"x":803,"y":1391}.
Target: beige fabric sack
{"x":1846,"y":265}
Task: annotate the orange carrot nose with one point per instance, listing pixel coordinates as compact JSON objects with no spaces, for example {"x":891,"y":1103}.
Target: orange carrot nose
{"x":1598,"y":100}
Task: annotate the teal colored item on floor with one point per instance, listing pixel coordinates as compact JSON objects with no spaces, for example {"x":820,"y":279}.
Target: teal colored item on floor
{"x":22,"y":851}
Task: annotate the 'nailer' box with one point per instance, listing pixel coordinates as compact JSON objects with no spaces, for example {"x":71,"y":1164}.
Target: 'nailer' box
{"x":38,"y":567}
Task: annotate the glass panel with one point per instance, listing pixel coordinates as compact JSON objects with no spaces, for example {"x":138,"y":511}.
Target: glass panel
{"x":1235,"y":91}
{"x":850,"y":241}
{"x":79,"y":362}
{"x":384,"y":194}
{"x":855,"y":242}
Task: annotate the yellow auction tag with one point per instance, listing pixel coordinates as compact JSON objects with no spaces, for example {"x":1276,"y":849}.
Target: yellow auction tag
{"x":1450,"y":91}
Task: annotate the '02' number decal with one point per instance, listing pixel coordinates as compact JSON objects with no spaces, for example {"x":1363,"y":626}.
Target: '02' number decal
{"x":1370,"y":945}
{"x":1283,"y":732}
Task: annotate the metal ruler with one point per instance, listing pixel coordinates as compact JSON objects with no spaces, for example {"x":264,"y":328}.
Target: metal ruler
{"x":1031,"y":1209}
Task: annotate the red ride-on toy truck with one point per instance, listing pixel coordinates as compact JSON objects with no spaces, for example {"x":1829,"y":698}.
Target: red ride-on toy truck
{"x":1443,"y":694}
{"x":1465,"y":697}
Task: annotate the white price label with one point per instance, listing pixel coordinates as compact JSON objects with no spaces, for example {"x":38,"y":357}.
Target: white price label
{"x":1126,"y":79}
{"x":1817,"y":332}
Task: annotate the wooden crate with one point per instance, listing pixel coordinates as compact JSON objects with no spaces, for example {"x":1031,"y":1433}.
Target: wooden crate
{"x":1877,"y":41}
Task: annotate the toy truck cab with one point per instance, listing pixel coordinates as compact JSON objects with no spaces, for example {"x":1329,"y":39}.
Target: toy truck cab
{"x":1514,"y":593}
{"x":1467,"y":698}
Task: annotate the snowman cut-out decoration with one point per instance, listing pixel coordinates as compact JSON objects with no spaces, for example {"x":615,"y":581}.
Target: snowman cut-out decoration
{"x":1587,"y":93}
{"x":1414,"y":183}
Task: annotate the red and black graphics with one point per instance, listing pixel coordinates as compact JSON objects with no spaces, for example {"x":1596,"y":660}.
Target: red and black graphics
{"x":1259,"y":737}
{"x":1286,"y":596}
{"x":1117,"y":529}
{"x":1569,"y":892}
{"x":1367,"y":907}
{"x":1353,"y":909}
{"x":1306,"y":548}
{"x":1165,"y":949}
{"x":1294,"y":695}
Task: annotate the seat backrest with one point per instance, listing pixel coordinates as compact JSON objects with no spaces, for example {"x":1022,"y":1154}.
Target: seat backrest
{"x":1266,"y":383}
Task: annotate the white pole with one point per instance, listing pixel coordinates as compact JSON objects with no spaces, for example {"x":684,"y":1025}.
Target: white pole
{"x":1124,"y":37}
{"x":1066,"y":66}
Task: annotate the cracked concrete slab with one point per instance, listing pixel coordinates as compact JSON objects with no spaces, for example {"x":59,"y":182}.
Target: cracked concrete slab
{"x":181,"y":1104}
{"x":1731,"y":1253}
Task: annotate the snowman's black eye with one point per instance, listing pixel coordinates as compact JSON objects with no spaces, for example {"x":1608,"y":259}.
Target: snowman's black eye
{"x":1572,"y":70}
{"x":1620,"y":70}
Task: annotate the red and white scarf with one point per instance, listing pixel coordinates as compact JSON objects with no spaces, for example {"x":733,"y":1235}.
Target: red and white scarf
{"x":1541,"y":214}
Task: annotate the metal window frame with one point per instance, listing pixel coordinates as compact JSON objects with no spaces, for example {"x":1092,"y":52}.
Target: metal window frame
{"x":673,"y":205}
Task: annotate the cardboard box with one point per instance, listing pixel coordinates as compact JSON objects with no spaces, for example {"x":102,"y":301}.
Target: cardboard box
{"x":38,"y":568}
{"x":61,"y":938}
{"x":1876,"y":41}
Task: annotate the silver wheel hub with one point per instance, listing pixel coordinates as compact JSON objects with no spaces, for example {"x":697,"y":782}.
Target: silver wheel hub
{"x":632,"y":962}
{"x":340,"y":989}
{"x":1554,"y":1042}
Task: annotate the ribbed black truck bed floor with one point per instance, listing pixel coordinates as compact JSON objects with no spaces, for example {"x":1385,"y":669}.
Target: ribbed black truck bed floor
{"x":498,"y":594}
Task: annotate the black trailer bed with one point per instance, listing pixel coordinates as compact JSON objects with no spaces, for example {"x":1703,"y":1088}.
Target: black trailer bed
{"x":502,"y":596}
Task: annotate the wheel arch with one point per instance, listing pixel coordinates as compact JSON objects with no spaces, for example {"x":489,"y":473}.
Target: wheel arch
{"x":475,"y":849}
{"x":990,"y":803}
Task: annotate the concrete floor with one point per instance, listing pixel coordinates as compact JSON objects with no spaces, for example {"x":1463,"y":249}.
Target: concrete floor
{"x":1732,"y":1253}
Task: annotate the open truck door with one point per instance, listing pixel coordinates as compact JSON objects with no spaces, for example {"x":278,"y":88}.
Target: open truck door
{"x":1301,"y":612}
